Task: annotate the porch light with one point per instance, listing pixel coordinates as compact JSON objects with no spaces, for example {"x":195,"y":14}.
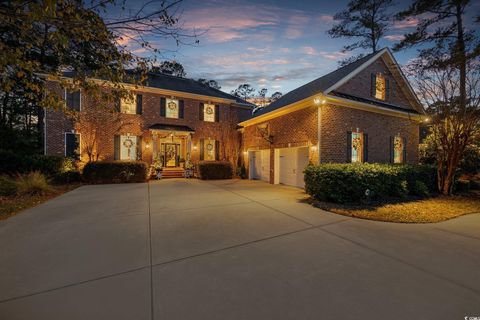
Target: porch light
{"x":147,"y":145}
{"x":314,"y":148}
{"x":194,"y":147}
{"x":316,"y":100}
{"x":426,"y":119}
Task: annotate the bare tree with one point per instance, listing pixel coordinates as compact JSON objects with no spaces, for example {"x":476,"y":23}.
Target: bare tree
{"x":453,"y":127}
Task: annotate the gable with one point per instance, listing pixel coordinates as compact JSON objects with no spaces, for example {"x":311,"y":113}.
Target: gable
{"x":360,"y":85}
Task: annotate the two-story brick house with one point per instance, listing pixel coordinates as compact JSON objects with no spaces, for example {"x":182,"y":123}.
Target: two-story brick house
{"x":169,"y":120}
{"x":363,"y":112}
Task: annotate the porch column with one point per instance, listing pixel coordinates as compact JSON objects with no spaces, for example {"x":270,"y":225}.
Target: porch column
{"x":189,"y":146}
{"x":154,"y":145}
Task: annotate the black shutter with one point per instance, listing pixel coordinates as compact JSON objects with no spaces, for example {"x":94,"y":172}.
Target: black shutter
{"x":365,"y":147}
{"x":392,"y":150}
{"x":139,"y":104}
{"x":72,"y":142}
{"x":181,"y":109}
{"x":404,"y":159}
{"x":217,"y":113}
{"x":139,"y":148}
{"x":201,"y":149}
{"x":349,"y":146}
{"x":387,"y":88}
{"x":217,"y":150}
{"x":373,"y":84}
{"x":116,"y":147}
{"x":163,"y":103}
{"x":200,"y":112}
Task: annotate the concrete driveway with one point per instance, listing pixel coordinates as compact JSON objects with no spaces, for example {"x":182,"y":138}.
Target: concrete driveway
{"x":188,"y":249}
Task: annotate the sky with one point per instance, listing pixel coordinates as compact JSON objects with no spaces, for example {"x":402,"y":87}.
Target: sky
{"x":278,"y":45}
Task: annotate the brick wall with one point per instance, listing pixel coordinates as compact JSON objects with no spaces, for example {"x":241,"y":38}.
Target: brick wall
{"x":57,"y":124}
{"x":360,"y":85}
{"x":296,"y":129}
{"x":336,"y":121}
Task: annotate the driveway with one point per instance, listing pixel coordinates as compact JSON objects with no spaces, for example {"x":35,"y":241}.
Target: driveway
{"x":188,"y":249}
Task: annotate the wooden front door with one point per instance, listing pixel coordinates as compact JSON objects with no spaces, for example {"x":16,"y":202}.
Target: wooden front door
{"x":171,"y":154}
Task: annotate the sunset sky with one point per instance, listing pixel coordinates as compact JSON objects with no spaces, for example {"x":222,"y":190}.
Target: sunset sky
{"x":278,"y":45}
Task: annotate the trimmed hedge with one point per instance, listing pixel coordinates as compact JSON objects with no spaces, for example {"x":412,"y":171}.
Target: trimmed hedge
{"x":115,"y":172}
{"x":13,"y":163}
{"x":215,"y":170}
{"x":356,"y":182}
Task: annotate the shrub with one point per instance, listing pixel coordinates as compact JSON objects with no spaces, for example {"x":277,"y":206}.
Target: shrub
{"x":211,"y":170}
{"x":7,"y":186}
{"x":33,"y":183}
{"x":357,"y":182}
{"x":12,"y":163}
{"x":420,"y":189}
{"x":462,"y":186}
{"x":115,"y":172}
{"x":68,"y":177}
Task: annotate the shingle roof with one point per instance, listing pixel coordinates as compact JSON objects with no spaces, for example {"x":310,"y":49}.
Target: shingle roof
{"x":372,"y":102}
{"x":314,"y":87}
{"x":169,"y":82}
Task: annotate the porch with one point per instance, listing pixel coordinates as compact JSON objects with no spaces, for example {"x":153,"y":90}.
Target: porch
{"x":171,"y":146}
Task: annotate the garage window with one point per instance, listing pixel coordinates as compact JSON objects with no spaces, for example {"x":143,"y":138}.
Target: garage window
{"x":398,"y":149}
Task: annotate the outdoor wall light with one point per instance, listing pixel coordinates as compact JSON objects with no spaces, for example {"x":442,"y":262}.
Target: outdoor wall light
{"x":314,"y":148}
{"x":194,"y":147}
{"x":316,"y":100}
{"x":426,"y":119}
{"x":147,"y":145}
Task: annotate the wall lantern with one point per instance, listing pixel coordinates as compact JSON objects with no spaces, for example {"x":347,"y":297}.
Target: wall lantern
{"x":319,"y":100}
{"x":313,"y":147}
{"x":194,"y":147}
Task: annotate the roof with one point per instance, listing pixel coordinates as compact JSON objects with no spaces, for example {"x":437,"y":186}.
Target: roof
{"x":169,"y":82}
{"x":171,"y":127}
{"x":327,"y":83}
{"x":372,"y":102}
{"x":314,"y":87}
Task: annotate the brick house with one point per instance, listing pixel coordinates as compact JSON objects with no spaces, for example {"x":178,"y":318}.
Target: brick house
{"x":363,"y":112}
{"x":169,"y":120}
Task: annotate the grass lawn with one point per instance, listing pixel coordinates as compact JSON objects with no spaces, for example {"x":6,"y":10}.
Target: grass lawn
{"x":11,"y":205}
{"x":429,"y":210}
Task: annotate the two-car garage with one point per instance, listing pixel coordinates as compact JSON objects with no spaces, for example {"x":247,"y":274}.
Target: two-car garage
{"x":289,"y":164}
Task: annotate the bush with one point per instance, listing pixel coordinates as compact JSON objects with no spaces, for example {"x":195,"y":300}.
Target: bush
{"x":357,"y":182}
{"x":212,"y":170}
{"x":115,"y":172}
{"x":7,"y":186}
{"x":13,"y":163}
{"x":33,"y":183}
{"x":462,"y":186}
{"x":68,"y":177}
{"x":420,"y":189}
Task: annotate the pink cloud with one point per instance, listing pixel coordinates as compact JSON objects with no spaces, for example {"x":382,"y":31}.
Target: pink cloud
{"x":405,"y":24}
{"x":333,"y":55}
{"x":296,"y":25}
{"x":326,"y":18}
{"x":395,"y":37}
{"x":309,"y":51}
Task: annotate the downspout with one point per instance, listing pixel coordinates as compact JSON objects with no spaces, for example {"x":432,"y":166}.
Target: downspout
{"x":319,"y":133}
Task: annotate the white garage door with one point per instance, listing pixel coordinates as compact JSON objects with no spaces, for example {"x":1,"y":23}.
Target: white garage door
{"x":260,"y":165}
{"x":292,"y":163}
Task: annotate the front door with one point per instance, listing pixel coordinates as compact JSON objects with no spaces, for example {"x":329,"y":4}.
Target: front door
{"x":171,"y":152}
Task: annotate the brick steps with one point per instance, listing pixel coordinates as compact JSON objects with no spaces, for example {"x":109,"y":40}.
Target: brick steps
{"x":173,"y":173}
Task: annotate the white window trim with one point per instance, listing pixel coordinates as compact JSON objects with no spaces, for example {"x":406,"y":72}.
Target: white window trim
{"x":178,"y":108}
{"x":65,"y":143}
{"x":65,"y":98}
{"x":214,"y":112}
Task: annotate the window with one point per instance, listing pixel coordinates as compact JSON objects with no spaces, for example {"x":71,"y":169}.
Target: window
{"x":357,"y":147}
{"x":172,"y":108}
{"x":127,"y":147}
{"x":209,"y":112}
{"x":209,"y":149}
{"x":72,"y":145}
{"x":128,"y":106}
{"x":398,"y":150}
{"x":380,"y":86}
{"x":73,"y":100}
